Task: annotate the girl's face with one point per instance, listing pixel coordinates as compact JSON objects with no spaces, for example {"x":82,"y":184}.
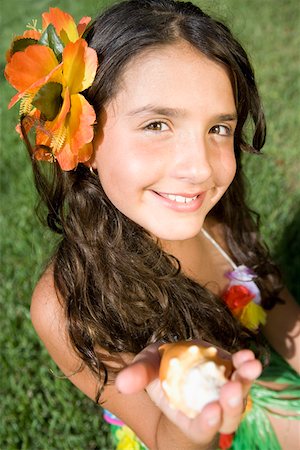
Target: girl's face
{"x":165,"y":152}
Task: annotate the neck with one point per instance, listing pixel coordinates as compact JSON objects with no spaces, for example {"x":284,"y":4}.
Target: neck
{"x":190,"y":246}
{"x":200,"y":259}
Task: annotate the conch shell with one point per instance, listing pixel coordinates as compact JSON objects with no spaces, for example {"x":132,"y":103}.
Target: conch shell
{"x":192,"y":375}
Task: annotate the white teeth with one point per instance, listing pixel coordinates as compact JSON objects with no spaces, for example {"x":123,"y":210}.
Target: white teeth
{"x":180,"y":199}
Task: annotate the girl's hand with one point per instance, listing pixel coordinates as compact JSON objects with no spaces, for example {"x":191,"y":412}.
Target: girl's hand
{"x":221,"y":416}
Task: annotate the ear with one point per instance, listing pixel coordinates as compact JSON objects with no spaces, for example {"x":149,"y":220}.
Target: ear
{"x":97,"y":141}
{"x":91,"y":162}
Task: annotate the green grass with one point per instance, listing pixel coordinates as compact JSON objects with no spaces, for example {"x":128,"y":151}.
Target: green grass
{"x":40,"y":411}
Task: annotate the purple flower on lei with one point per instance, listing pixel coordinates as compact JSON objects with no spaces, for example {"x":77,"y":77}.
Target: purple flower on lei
{"x":243,"y":276}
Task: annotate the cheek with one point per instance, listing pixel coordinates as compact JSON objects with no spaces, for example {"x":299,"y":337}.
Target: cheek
{"x":124,"y":171}
{"x":127,"y":160}
{"x":226,"y":167}
{"x":114,"y":177}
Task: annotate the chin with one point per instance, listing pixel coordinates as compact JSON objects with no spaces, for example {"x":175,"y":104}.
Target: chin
{"x":176,"y":233}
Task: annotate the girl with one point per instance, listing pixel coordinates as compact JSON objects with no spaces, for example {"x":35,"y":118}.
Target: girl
{"x":157,"y":243}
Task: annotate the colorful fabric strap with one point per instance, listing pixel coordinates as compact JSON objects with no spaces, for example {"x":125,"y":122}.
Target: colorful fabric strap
{"x":123,"y":437}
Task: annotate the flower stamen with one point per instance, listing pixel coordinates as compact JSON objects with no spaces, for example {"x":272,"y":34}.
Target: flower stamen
{"x":26,"y":104}
{"x":33,"y":25}
{"x":58,"y":139}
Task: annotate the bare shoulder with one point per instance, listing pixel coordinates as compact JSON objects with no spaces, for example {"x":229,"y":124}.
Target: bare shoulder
{"x":48,"y":319}
{"x":45,"y":309}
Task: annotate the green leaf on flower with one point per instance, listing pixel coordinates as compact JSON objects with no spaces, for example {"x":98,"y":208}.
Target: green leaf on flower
{"x":21,"y":44}
{"x":48,"y":100}
{"x":51,"y":39}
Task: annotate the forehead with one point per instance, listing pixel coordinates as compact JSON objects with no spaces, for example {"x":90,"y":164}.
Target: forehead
{"x":177,"y":75}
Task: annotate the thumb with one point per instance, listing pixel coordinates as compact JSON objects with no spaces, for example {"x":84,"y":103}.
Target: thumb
{"x":142,"y":371}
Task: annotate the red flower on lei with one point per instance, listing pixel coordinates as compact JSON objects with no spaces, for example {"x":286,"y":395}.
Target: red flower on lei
{"x":237,"y":297}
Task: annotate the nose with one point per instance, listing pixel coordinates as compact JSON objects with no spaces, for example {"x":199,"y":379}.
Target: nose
{"x":192,"y":160}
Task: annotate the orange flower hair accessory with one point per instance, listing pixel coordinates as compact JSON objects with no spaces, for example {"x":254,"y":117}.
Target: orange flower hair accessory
{"x":50,"y":68}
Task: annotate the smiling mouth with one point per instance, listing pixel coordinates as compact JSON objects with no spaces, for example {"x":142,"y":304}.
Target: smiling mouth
{"x":179,"y":198}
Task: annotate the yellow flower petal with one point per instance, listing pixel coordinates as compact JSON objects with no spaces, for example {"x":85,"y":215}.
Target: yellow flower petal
{"x":252,"y":316}
{"x":81,"y":120}
{"x":79,"y":66}
{"x":61,"y":117}
{"x":76,"y":145}
{"x":63,"y":23}
{"x":127,"y":439}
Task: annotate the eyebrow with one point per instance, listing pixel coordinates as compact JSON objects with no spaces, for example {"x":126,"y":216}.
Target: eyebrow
{"x":160,"y":110}
{"x":174,"y":112}
{"x":228,"y":117}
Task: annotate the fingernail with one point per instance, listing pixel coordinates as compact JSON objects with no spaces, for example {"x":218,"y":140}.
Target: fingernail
{"x":117,"y":387}
{"x":234,"y":401}
{"x":212,"y":421}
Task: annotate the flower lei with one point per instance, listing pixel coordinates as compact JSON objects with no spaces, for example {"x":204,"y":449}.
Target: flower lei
{"x":243,"y":298}
{"x":50,"y":68}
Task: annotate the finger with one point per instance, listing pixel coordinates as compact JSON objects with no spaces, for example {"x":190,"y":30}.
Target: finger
{"x":133,"y":379}
{"x":142,"y":371}
{"x":247,"y":373}
{"x":239,"y":358}
{"x":203,"y":429}
{"x":232,"y":402}
{"x":149,"y":355}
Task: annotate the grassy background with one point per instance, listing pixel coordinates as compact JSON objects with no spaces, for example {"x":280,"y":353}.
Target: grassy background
{"x":38,"y":410}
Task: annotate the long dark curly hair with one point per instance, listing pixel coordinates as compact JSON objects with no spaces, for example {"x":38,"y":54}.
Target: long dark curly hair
{"x":119,"y":289}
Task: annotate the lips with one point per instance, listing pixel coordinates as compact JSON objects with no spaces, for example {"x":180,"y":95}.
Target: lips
{"x":181,"y":202}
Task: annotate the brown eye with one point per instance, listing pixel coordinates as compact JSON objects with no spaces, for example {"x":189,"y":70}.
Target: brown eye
{"x":157,"y":126}
{"x":222,"y":130}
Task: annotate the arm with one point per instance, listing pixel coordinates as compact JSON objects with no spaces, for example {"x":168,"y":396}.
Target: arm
{"x":48,"y":319}
{"x":164,"y":428}
{"x":282,"y":329}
